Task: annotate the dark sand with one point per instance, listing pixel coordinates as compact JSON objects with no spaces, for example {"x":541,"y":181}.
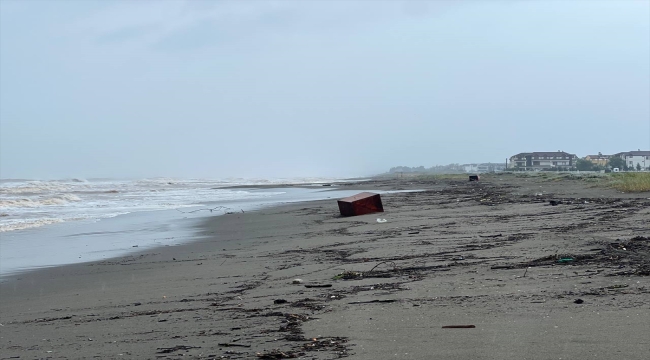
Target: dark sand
{"x":483,"y":254}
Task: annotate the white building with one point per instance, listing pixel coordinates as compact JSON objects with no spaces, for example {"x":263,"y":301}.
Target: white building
{"x":470,"y":168}
{"x":484,"y":167}
{"x":634,"y":158}
{"x":543,"y":160}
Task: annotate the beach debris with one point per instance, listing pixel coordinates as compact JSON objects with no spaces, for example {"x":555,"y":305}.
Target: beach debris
{"x":392,"y":263}
{"x":414,"y":233}
{"x":234,"y":345}
{"x":296,"y":281}
{"x":629,"y":255}
{"x":334,"y":343}
{"x":374,"y":301}
{"x":308,"y":303}
{"x":474,"y":178}
{"x":459,"y":327}
{"x":381,"y":220}
{"x":279,"y":301}
{"x":137,"y":303}
{"x":277,"y":354}
{"x":578,"y":301}
{"x":360,"y":204}
{"x":348,"y":275}
{"x":318,"y":285}
{"x":175,"y":348}
{"x":555,"y":202}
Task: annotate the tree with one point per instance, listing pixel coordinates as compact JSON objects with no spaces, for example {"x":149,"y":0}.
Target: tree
{"x":617,"y":162}
{"x":584,"y":165}
{"x":638,"y":167}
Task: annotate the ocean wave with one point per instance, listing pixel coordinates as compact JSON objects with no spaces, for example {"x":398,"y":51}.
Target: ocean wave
{"x":34,"y":188}
{"x":38,"y":202}
{"x":34,"y":203}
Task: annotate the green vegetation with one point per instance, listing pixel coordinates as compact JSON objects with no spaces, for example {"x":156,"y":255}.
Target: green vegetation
{"x":617,"y":162}
{"x":626,"y":182}
{"x":586,"y":165}
{"x":629,"y":182}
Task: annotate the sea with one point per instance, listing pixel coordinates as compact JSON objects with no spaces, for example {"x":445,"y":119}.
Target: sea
{"x":46,"y":223}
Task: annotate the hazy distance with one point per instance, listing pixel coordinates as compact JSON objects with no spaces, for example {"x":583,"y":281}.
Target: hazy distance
{"x":338,"y":88}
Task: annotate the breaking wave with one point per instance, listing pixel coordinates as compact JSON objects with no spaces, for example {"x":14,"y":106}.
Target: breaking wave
{"x":32,"y":203}
{"x":38,"y":202}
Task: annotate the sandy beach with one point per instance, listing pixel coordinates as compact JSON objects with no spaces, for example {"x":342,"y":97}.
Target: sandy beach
{"x":522,"y":278}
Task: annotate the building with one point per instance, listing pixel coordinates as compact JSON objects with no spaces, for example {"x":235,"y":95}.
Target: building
{"x":490,"y":167}
{"x":470,"y":168}
{"x":484,"y":167}
{"x":634,"y":158}
{"x":543,"y":160}
{"x":599,"y":159}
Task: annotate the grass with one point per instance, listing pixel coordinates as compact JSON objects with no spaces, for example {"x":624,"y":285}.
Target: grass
{"x":630,"y":182}
{"x":626,"y":182}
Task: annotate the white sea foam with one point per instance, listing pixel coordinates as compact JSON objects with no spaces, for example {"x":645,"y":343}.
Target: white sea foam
{"x":27,"y":204}
{"x":62,"y":199}
{"x":26,"y":224}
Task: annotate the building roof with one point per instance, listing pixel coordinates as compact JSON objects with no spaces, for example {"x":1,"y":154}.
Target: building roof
{"x":545,"y":154}
{"x":633,"y":153}
{"x":598,"y":156}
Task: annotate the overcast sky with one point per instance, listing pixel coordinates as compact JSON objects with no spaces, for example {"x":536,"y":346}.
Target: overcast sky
{"x":305,"y":88}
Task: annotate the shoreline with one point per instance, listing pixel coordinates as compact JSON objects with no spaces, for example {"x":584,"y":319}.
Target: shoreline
{"x":454,"y":254}
{"x":120,"y":235}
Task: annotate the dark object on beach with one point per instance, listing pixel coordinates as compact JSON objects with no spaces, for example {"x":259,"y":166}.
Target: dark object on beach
{"x":474,"y":178}
{"x":555,"y":202}
{"x":137,"y":304}
{"x":414,"y":232}
{"x":373,"y":301}
{"x":459,"y":327}
{"x":279,"y":301}
{"x":327,"y":184}
{"x":175,"y":348}
{"x":361,"y":204}
{"x":233,"y":345}
{"x":578,"y":301}
{"x":318,"y":285}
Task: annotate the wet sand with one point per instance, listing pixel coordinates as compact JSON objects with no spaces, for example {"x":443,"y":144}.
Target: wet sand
{"x":536,"y":281}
